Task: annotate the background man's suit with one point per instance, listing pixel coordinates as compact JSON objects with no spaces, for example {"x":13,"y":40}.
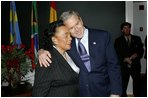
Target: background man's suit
{"x":104,"y":78}
{"x":123,"y":51}
{"x":58,"y":79}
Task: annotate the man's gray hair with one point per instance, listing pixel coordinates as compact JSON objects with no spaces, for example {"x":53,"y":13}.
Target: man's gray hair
{"x":66,"y":15}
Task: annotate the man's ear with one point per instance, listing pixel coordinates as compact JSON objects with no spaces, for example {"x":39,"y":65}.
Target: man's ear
{"x":54,"y":40}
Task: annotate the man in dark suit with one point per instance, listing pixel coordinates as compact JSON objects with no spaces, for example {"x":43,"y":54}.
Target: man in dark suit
{"x":130,"y":50}
{"x":102,"y":78}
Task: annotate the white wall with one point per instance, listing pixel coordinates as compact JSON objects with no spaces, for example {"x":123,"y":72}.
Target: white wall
{"x":140,"y":20}
{"x":129,"y":12}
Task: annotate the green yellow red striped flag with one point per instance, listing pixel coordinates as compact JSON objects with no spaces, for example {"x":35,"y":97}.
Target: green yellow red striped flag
{"x":34,"y":34}
{"x":53,"y":12}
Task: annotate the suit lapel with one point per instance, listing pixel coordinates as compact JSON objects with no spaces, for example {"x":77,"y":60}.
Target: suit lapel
{"x":92,"y":45}
{"x":62,"y":61}
{"x":75,"y":56}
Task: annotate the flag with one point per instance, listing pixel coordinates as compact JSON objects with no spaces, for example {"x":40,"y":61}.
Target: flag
{"x":53,"y":12}
{"x":14,"y":27}
{"x":34,"y":34}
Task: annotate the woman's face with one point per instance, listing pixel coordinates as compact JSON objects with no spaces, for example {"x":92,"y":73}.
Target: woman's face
{"x":62,"y":39}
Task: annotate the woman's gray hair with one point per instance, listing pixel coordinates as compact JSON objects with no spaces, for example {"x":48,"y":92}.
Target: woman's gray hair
{"x":66,"y":15}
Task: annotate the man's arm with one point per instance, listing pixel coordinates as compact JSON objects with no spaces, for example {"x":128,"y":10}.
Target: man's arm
{"x":44,"y":57}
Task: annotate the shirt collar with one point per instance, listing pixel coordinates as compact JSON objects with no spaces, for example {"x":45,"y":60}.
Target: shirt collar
{"x":85,"y":35}
{"x":127,"y":37}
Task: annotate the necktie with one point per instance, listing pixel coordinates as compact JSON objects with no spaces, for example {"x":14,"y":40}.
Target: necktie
{"x":128,"y":42}
{"x":84,"y":56}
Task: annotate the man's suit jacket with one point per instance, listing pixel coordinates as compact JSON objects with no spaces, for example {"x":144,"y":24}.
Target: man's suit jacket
{"x":124,"y":51}
{"x":104,"y":78}
{"x":58,"y":79}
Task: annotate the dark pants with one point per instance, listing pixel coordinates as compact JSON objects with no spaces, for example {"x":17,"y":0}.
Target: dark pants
{"x":136,"y":82}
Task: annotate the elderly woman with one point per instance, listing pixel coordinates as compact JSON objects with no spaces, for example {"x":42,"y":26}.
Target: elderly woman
{"x":61,"y":77}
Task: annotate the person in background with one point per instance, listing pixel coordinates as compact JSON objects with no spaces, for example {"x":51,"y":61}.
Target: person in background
{"x":145,"y":43}
{"x":145,"y":55}
{"x":144,"y":90}
{"x":93,"y":51}
{"x":60,"y":79}
{"x":130,"y":50}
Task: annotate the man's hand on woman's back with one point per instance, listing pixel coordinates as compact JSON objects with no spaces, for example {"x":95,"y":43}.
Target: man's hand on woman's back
{"x":44,"y":58}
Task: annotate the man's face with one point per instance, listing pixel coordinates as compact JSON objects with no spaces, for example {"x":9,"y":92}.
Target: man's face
{"x":75,"y":26}
{"x":126,"y":30}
